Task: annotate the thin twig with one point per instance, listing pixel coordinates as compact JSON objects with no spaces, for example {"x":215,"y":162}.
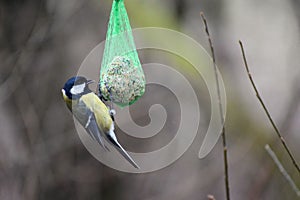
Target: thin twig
{"x":266,"y":110}
{"x":210,"y":197}
{"x":282,"y":170}
{"x":221,"y":109}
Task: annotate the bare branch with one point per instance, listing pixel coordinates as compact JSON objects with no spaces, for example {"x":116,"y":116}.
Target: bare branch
{"x":210,"y":197}
{"x":221,"y":109}
{"x":266,"y":110}
{"x":282,"y":170}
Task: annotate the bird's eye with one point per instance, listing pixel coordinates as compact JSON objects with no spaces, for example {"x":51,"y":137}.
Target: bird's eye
{"x":79,"y":81}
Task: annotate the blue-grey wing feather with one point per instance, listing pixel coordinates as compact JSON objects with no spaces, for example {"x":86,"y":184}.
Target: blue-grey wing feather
{"x":88,"y":120}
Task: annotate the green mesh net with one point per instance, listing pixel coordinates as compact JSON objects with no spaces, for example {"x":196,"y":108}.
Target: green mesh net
{"x":122,"y":79}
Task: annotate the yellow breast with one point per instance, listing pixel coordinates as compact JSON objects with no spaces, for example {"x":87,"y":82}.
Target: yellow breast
{"x":66,"y":99}
{"x":100,"y":110}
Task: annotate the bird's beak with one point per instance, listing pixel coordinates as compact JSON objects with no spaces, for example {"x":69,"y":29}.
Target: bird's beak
{"x":90,"y":81}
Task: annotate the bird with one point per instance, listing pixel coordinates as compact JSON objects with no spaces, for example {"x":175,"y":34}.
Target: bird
{"x":92,"y":114}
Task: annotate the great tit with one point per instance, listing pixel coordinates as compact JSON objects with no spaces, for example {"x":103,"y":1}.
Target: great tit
{"x":92,"y":113}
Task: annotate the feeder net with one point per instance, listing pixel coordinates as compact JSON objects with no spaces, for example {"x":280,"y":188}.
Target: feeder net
{"x":122,"y":79}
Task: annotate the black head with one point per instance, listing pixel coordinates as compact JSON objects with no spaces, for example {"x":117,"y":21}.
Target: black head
{"x":76,"y":86}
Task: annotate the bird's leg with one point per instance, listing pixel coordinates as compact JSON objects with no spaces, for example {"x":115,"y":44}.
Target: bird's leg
{"x":112,"y":111}
{"x":100,"y":94}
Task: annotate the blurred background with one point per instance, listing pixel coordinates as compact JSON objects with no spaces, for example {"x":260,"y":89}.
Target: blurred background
{"x":43,"y":43}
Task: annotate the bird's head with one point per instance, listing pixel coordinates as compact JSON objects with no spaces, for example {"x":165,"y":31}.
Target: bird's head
{"x":75,"y":87}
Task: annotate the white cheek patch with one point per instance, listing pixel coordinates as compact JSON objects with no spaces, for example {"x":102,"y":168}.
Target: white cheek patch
{"x":78,"y":89}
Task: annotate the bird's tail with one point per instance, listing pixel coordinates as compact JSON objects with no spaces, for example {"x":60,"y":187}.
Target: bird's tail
{"x":122,"y":151}
{"x":127,"y":156}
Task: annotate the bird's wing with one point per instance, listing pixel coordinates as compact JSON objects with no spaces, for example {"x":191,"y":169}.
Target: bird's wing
{"x":87,"y":119}
{"x":105,"y":122}
{"x":100,"y":110}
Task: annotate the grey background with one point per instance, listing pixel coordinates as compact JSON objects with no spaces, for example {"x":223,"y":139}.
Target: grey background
{"x":43,"y":42}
